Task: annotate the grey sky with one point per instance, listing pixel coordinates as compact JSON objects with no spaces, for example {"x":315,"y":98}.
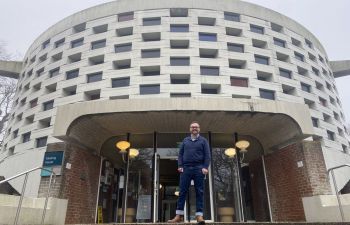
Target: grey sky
{"x":22,"y":21}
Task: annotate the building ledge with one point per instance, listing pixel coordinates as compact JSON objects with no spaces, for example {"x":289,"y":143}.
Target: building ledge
{"x":10,"y":69}
{"x":340,"y":68}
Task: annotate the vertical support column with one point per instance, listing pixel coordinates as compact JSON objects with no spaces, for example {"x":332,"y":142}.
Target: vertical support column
{"x":211,"y":181}
{"x":126,"y":180}
{"x":241,"y":191}
{"x":155,"y":181}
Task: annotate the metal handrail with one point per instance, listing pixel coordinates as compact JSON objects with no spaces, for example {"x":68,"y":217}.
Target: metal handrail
{"x":52,"y":174}
{"x":331,"y":170}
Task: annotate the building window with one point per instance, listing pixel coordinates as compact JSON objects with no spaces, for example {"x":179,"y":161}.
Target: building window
{"x":120,"y":82}
{"x":79,"y":28}
{"x":100,"y":29}
{"x":72,"y":74}
{"x":154,"y":36}
{"x":267,"y":94}
{"x":299,"y":56}
{"x":256,"y":29}
{"x":74,"y":58}
{"x":59,"y":43}
{"x":207,"y":37}
{"x":296,"y":42}
{"x":96,"y":60}
{"x":237,"y":64}
{"x":151,"y":21}
{"x":69,"y":91}
{"x":179,"y":44}
{"x":150,"y":53}
{"x":54,"y":72}
{"x":179,"y":28}
{"x":125,"y":16}
{"x":279,"y":42}
{"x":178,"y":12}
{"x":40,"y":72}
{"x":305,"y":87}
{"x":15,"y":133}
{"x":77,"y":43}
{"x":123,"y":48}
{"x":149,"y":89}
{"x":46,"y":44}
{"x":210,"y":89}
{"x":235,"y":47}
{"x":209,"y":70}
{"x":33,"y":103}
{"x":26,"y":137}
{"x":323,"y":101}
{"x":308,"y":43}
{"x":98,"y":44}
{"x":285,"y":73}
{"x":261,"y":59}
{"x":179,"y":78}
{"x":232,"y":16}
{"x":233,"y":31}
{"x":126,"y":31}
{"x":41,"y":142}
{"x":206,"y":21}
{"x":48,"y":105}
{"x":239,"y":81}
{"x":208,"y":53}
{"x":259,"y":43}
{"x":180,"y":95}
{"x":314,"y":121}
{"x":179,"y":61}
{"x":316,"y":71}
{"x":276,"y":27}
{"x":94,"y":77}
{"x":92,"y":95}
{"x":331,"y":135}
{"x":150,"y":70}
{"x":122,"y":64}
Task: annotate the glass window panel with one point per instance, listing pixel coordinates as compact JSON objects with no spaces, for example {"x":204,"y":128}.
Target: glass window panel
{"x":239,"y":81}
{"x":261,"y":59}
{"x":256,"y":29}
{"x":267,"y":94}
{"x":207,"y":37}
{"x":98,"y":44}
{"x":149,"y":89}
{"x":232,"y":16}
{"x":121,"y":82}
{"x":72,"y":74}
{"x":77,"y":43}
{"x":94,"y":77}
{"x":179,"y":28}
{"x":123,"y":47}
{"x":151,"y":21}
{"x":235,"y":47}
{"x":212,"y":71}
{"x":125,"y":16}
{"x":176,"y":61}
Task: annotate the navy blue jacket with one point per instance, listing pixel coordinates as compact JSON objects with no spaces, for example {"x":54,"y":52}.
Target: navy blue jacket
{"x":194,"y":153}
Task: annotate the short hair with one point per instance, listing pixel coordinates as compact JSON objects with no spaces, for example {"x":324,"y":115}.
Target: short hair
{"x":194,"y":122}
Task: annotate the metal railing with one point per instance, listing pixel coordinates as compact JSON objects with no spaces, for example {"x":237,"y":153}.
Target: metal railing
{"x":331,"y":170}
{"x":26,"y":173}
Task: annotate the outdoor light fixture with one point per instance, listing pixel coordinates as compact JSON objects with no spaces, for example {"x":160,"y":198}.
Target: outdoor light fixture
{"x":230,"y":152}
{"x":123,"y":145}
{"x":133,"y":153}
{"x":243,"y":145}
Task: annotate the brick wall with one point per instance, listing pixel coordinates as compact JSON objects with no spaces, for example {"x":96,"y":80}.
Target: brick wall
{"x":80,"y":185}
{"x":288,"y":183}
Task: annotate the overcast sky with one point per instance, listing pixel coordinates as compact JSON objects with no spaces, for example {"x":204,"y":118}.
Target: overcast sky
{"x":21,"y":21}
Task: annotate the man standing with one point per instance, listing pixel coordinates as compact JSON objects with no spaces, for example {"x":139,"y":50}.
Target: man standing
{"x":193,"y":163}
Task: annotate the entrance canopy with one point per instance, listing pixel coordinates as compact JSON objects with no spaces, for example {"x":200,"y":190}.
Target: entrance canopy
{"x":273,"y":123}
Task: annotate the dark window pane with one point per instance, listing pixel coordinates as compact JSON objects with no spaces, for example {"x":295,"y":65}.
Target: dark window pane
{"x":149,"y":89}
{"x":121,"y":82}
{"x":180,"y":95}
{"x":59,"y":43}
{"x":125,"y":16}
{"x":261,"y":59}
{"x":207,"y":37}
{"x":308,"y":43}
{"x":26,"y":137}
{"x":232,"y":16}
{"x":285,"y":73}
{"x":123,"y":48}
{"x":41,"y":142}
{"x":180,"y":80}
{"x":331,"y":135}
{"x":314,"y":121}
{"x":209,"y":90}
{"x":94,"y":77}
{"x":151,"y":21}
{"x":267,"y":94}
{"x":279,"y":42}
{"x":180,"y":61}
{"x":48,"y":105}
{"x":54,"y":72}
{"x":235,"y":47}
{"x":212,"y":71}
{"x":179,"y":28}
{"x":239,"y":82}
{"x":98,"y":44}
{"x":299,"y":56}
{"x":77,"y":43}
{"x":72,"y":74}
{"x":256,"y":29}
{"x":150,"y":53}
{"x":305,"y":87}
{"x":178,"y":12}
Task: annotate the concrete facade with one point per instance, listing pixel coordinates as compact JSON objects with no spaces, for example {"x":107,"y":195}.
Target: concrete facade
{"x":224,"y":56}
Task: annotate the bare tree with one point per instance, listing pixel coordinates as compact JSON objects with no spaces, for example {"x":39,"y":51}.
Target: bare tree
{"x":7,"y":91}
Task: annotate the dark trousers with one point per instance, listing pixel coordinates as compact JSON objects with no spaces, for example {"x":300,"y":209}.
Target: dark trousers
{"x":195,"y":174}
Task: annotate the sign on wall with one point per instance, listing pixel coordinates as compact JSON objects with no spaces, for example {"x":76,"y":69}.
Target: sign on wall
{"x":53,"y":162}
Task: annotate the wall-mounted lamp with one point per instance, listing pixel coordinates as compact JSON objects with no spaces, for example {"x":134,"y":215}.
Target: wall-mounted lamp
{"x":133,"y":153}
{"x":243,"y":145}
{"x":230,"y":152}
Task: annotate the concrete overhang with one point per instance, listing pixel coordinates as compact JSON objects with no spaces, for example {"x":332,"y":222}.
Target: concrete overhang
{"x":10,"y":69}
{"x":340,"y":68}
{"x":273,"y":123}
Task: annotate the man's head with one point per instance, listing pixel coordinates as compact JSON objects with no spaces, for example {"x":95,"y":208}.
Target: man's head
{"x":194,"y":128}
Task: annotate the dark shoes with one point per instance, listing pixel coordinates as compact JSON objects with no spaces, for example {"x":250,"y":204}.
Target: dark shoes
{"x":177,"y":219}
{"x":200,"y":220}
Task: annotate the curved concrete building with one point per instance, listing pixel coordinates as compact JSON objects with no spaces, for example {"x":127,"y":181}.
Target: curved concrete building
{"x":142,"y":71}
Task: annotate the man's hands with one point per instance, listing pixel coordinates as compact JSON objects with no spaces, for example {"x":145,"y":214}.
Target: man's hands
{"x":180,"y":170}
{"x":204,"y":171}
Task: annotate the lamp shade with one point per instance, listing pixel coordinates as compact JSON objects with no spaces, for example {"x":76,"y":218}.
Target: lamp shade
{"x":123,"y":145}
{"x":230,"y":152}
{"x":133,"y":153}
{"x":243,"y":144}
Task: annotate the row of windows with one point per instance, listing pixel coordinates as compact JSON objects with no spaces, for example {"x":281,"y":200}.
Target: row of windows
{"x":39,"y":142}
